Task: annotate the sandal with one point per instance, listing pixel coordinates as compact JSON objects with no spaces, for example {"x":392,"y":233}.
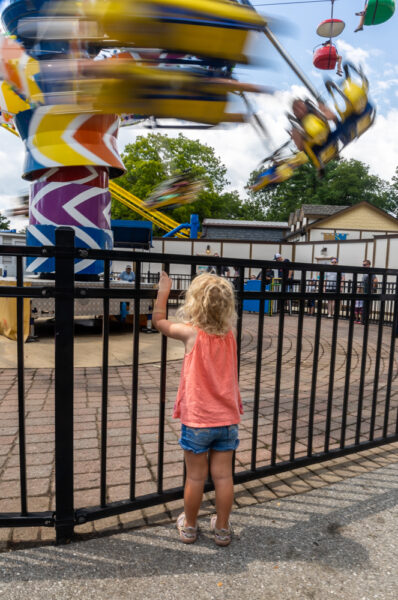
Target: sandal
{"x":188,"y":535}
{"x":222,"y":537}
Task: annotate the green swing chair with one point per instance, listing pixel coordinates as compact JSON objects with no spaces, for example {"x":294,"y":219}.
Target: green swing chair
{"x":379,"y":11}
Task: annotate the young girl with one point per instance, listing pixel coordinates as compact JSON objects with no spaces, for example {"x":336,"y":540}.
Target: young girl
{"x":208,"y":401}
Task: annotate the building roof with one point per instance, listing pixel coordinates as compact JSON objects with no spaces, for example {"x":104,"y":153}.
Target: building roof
{"x":12,"y":232}
{"x":321,"y":209}
{"x":316,"y":210}
{"x":352,"y":208}
{"x":261,"y":224}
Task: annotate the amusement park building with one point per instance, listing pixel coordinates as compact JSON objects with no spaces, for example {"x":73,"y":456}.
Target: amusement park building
{"x":224,"y":229}
{"x":312,"y":223}
{"x":8,"y":263}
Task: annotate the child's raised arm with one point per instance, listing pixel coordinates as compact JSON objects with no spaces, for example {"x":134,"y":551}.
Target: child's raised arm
{"x":178,"y":331}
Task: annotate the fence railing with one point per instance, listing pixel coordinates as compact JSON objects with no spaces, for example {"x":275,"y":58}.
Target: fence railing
{"x":181,"y":283}
{"x":312,"y":388}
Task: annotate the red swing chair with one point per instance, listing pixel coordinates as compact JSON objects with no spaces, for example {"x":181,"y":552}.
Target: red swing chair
{"x":325,"y":57}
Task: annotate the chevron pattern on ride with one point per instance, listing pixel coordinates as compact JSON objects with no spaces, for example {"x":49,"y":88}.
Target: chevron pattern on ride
{"x":80,"y":202}
{"x":44,"y":235}
{"x":65,"y":140}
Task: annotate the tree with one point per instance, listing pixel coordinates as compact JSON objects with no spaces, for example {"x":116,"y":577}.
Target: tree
{"x":4,"y":223}
{"x":155,"y":157}
{"x":345,"y":183}
{"x":394,"y":193}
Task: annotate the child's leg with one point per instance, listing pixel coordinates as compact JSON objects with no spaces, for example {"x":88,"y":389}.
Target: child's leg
{"x":361,"y":23}
{"x":221,"y":474}
{"x":197,"y":470}
{"x":339,"y":61}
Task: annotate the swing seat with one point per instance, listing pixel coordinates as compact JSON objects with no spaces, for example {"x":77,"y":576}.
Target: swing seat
{"x":379,"y":11}
{"x":316,"y":129}
{"x":356,"y":124}
{"x":330,"y":28}
{"x":278,"y":172}
{"x":325,"y":57}
{"x":354,"y":93}
{"x":321,"y":154}
{"x":264,"y":178}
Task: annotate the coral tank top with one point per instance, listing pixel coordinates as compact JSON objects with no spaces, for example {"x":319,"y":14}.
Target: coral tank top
{"x":208,"y":394}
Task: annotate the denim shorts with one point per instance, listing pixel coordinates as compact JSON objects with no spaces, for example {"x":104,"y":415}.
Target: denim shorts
{"x":202,"y":439}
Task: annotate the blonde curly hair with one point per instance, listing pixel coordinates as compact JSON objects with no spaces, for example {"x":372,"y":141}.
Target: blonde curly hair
{"x":209,"y":304}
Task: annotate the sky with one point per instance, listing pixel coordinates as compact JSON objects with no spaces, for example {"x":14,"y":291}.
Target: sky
{"x":239,"y":147}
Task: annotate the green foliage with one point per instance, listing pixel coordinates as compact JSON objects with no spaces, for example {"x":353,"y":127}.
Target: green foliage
{"x":346,"y":182}
{"x":393,"y":193}
{"x":4,"y":223}
{"x":155,"y":157}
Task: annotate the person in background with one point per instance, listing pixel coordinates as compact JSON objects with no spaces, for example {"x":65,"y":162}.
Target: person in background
{"x":235,"y":278}
{"x":224,"y":272}
{"x":369,"y":284}
{"x":279,"y":258}
{"x":311,"y":287}
{"x":224,"y":269}
{"x":290,"y":274}
{"x":359,"y":307}
{"x":127,"y":274}
{"x":269,"y":275}
{"x":330,"y":285}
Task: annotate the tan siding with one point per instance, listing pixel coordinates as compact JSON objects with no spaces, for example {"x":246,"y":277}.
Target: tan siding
{"x":362,"y":217}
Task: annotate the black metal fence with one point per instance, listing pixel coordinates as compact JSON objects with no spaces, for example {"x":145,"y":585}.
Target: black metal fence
{"x":181,"y":283}
{"x":312,"y":388}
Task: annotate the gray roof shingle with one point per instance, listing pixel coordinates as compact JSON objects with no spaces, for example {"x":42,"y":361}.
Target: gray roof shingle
{"x":321,"y":209}
{"x":229,"y":223}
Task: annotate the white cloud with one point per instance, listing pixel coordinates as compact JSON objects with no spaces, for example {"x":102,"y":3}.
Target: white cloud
{"x":316,"y":74}
{"x":378,"y":147}
{"x":11,"y":182}
{"x":11,"y":161}
{"x":358,"y":56}
{"x":386,"y":84}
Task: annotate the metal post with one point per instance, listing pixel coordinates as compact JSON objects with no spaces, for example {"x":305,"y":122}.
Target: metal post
{"x":64,"y":313}
{"x":295,"y":68}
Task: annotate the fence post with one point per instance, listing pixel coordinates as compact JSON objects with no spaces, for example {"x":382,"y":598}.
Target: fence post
{"x":64,"y":314}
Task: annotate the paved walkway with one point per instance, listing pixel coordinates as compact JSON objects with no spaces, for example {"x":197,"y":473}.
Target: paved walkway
{"x":338,"y":542}
{"x":88,"y":348}
{"x":40,"y":430}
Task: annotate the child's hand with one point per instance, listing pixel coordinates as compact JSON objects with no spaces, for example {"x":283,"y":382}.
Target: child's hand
{"x":165,"y":282}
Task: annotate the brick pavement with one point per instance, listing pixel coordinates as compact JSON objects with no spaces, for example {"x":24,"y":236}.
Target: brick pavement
{"x":40,"y":431}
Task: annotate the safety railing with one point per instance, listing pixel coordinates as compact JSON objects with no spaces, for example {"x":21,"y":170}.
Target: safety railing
{"x":313,"y":388}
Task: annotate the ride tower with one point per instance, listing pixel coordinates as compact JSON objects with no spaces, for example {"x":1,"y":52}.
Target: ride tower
{"x":69,"y":157}
{"x":63,"y":91}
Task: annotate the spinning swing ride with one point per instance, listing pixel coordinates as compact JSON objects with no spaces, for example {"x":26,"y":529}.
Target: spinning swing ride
{"x":72,"y":72}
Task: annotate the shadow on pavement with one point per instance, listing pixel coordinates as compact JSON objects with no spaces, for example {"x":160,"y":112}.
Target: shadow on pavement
{"x":315,"y":527}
